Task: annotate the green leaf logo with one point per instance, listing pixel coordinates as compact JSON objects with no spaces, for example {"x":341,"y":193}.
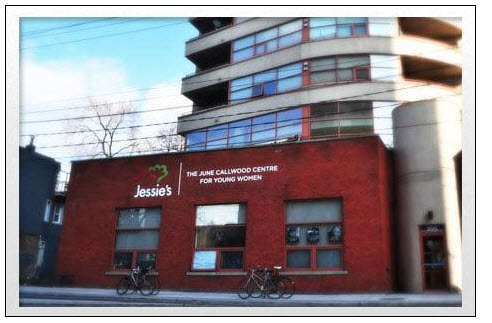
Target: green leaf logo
{"x":162,"y":171}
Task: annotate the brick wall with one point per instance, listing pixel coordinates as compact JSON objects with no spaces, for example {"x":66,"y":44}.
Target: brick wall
{"x":356,"y":170}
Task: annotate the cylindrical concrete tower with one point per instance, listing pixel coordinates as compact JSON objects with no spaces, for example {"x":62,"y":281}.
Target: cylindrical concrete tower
{"x":427,"y":136}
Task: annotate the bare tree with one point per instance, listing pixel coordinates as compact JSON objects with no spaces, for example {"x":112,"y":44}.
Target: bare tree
{"x":109,"y":132}
{"x":166,"y":140}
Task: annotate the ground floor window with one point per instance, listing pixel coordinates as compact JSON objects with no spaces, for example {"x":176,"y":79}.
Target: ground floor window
{"x":434,"y":260}
{"x":219,"y":237}
{"x":137,"y":238}
{"x":314,"y":234}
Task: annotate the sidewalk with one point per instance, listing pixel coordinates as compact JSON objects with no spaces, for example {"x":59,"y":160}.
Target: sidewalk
{"x":42,"y":296}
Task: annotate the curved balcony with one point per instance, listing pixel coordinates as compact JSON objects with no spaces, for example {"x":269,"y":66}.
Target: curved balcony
{"x":404,"y":91}
{"x":403,"y":45}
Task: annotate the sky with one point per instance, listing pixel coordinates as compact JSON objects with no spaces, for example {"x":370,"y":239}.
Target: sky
{"x":131,"y":61}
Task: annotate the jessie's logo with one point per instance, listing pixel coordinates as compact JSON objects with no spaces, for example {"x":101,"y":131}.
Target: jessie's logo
{"x":161,"y":171}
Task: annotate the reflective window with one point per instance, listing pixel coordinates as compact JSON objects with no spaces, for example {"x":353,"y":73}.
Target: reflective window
{"x":263,"y":128}
{"x":269,"y":82}
{"x":325,"y":28}
{"x":339,"y":69}
{"x":267,"y":41}
{"x":137,"y":229}
{"x":314,"y":234}
{"x":220,"y":236}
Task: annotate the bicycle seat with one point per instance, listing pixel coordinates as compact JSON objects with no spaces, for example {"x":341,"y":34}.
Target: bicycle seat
{"x":277,"y":267}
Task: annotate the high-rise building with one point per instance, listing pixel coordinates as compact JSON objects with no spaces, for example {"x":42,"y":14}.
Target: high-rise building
{"x":267,"y":80}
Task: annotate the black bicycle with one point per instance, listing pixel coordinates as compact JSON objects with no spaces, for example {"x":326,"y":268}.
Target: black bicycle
{"x":138,"y":281}
{"x":265,"y":282}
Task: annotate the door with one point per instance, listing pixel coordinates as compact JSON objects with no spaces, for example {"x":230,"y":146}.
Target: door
{"x":434,"y":260}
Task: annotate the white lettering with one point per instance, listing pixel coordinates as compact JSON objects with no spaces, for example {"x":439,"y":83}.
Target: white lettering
{"x":153,"y":191}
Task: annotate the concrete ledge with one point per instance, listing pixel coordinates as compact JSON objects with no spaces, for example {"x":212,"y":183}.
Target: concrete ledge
{"x":315,"y":273}
{"x":215,"y":273}
{"x":126,"y":272}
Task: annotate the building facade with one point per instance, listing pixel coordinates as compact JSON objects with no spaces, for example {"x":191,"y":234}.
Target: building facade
{"x":40,"y":216}
{"x":289,"y":161}
{"x":266,"y":80}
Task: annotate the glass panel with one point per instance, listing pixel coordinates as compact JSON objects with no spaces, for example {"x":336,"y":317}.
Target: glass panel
{"x":239,"y":132}
{"x":350,"y":20}
{"x":323,"y":32}
{"x":217,"y":132}
{"x":261,"y":126}
{"x":321,"y":21}
{"x":241,"y":83}
{"x":290,"y":39}
{"x":257,"y":90}
{"x":220,"y":214}
{"x":324,"y":128}
{"x":123,"y":260}
{"x":314,"y":211}
{"x":345,"y":75}
{"x":146,"y":260}
{"x":324,"y":77}
{"x":352,"y":61}
{"x":231,"y":259}
{"x":362,"y":74}
{"x":289,"y":70}
{"x":321,"y":64}
{"x":243,"y":54}
{"x":220,"y":236}
{"x":324,"y":110}
{"x":289,"y":123}
{"x":137,"y":239}
{"x":271,"y":45}
{"x":204,"y":259}
{"x":260,"y":49}
{"x":344,"y":31}
{"x":195,"y":140}
{"x":266,"y":35}
{"x":290,"y":27}
{"x":314,"y":235}
{"x":265,"y":76}
{"x":243,"y":42}
{"x":270,"y":88}
{"x":357,"y":126}
{"x":241,"y":94}
{"x":298,"y":258}
{"x":381,"y":26}
{"x":217,"y":144}
{"x":289,"y":83}
{"x":329,"y":258}
{"x":360,"y":29}
{"x":359,"y":108}
{"x":139,"y":218}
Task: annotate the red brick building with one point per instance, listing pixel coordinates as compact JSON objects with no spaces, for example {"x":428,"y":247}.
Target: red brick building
{"x":321,"y":210}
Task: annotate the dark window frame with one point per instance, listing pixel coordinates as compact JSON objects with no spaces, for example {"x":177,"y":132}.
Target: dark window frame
{"x":336,"y":68}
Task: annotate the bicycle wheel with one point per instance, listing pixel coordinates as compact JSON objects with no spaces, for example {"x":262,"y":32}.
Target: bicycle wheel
{"x":123,"y":285}
{"x":254,"y":288}
{"x":242,"y":288}
{"x":288,"y":287}
{"x":146,"y":287}
{"x":156,"y":284}
{"x":272,"y":290}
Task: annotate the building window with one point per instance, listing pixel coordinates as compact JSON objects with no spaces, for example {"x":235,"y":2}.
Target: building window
{"x":338,"y":119}
{"x":267,"y":83}
{"x":337,"y":69}
{"x":267,"y":41}
{"x":259,"y":130}
{"x":137,"y":237}
{"x":314,"y":234}
{"x":47,"y":211}
{"x":326,"y":28}
{"x":219,"y":237}
{"x":58,"y":213}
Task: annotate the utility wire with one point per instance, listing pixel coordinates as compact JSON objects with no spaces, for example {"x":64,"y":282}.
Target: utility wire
{"x":175,"y":107}
{"x":83,"y":29}
{"x":194,"y":82}
{"x":38,"y":31}
{"x":104,"y":36}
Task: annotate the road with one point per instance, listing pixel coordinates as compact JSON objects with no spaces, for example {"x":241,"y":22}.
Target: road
{"x":50,"y":296}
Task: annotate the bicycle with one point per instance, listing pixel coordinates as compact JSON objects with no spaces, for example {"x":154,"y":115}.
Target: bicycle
{"x":283,"y":282}
{"x":259,"y":283}
{"x":138,"y":280}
